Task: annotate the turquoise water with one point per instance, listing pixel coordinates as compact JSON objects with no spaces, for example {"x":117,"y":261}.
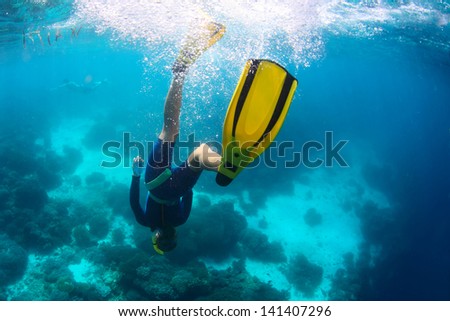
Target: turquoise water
{"x":374,"y":73}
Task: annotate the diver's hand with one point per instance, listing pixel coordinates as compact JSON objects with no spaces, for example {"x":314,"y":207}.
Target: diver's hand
{"x":138,"y":166}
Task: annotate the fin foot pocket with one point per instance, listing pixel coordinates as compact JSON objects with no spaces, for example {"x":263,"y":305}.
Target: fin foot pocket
{"x":223,"y":180}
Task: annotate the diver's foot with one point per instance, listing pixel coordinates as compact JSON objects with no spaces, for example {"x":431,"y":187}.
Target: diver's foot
{"x":197,"y":43}
{"x":180,"y":66}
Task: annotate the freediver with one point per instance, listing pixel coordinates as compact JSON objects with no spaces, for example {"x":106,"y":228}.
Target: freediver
{"x":85,"y":87}
{"x":169,"y":197}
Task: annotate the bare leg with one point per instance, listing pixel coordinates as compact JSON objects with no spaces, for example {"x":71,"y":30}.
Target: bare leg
{"x":192,"y":50}
{"x":172,"y":108}
{"x":203,"y":157}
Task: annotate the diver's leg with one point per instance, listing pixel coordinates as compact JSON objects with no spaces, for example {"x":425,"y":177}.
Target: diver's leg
{"x":185,"y":176}
{"x":172,"y":108}
{"x":160,"y":157}
{"x":195,"y":44}
{"x":203,"y":157}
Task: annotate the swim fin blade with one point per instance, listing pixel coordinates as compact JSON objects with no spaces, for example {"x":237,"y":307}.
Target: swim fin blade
{"x":255,"y":115}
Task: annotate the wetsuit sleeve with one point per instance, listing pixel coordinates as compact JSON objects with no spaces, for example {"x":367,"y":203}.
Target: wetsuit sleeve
{"x":134,"y":201}
{"x":185,"y":206}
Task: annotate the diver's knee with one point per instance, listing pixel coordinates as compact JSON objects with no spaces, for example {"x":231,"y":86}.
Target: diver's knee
{"x":194,"y":160}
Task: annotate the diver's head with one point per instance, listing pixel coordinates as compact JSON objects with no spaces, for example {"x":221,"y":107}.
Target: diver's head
{"x":164,"y":239}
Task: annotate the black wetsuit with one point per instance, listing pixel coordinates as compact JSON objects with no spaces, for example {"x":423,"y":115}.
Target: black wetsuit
{"x":170,"y":203}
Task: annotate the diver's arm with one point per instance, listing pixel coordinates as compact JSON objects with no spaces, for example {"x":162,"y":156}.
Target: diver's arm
{"x":186,"y":206}
{"x":134,"y":191}
{"x":139,"y":213}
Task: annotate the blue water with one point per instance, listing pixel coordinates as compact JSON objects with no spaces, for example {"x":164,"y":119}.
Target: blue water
{"x":374,"y":73}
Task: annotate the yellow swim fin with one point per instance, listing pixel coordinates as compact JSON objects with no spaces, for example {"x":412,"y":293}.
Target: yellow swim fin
{"x":255,"y":115}
{"x":197,"y":42}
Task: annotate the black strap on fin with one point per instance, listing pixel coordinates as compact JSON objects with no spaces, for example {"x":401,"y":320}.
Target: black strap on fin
{"x":287,"y":85}
{"x":244,"y":92}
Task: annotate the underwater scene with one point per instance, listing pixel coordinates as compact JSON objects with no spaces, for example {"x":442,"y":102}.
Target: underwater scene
{"x":351,"y":202}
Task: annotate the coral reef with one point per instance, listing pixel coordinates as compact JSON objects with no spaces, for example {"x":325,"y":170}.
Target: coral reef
{"x":211,"y":231}
{"x":376,"y":224}
{"x":30,"y":194}
{"x":144,"y":277}
{"x":40,"y":230}
{"x":77,"y":251}
{"x":99,"y":225}
{"x":304,"y":275}
{"x":96,"y":178}
{"x":99,"y":134}
{"x":312,"y":218}
{"x":13,"y":261}
{"x":82,"y":236}
{"x":262,"y":223}
{"x":235,"y":283}
{"x":117,"y":198}
{"x":255,"y":245}
{"x":117,"y":236}
{"x":5,"y":196}
{"x":72,"y":159}
{"x":352,"y":281}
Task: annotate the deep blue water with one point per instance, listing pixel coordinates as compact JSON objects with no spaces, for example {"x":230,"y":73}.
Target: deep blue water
{"x":386,"y":92}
